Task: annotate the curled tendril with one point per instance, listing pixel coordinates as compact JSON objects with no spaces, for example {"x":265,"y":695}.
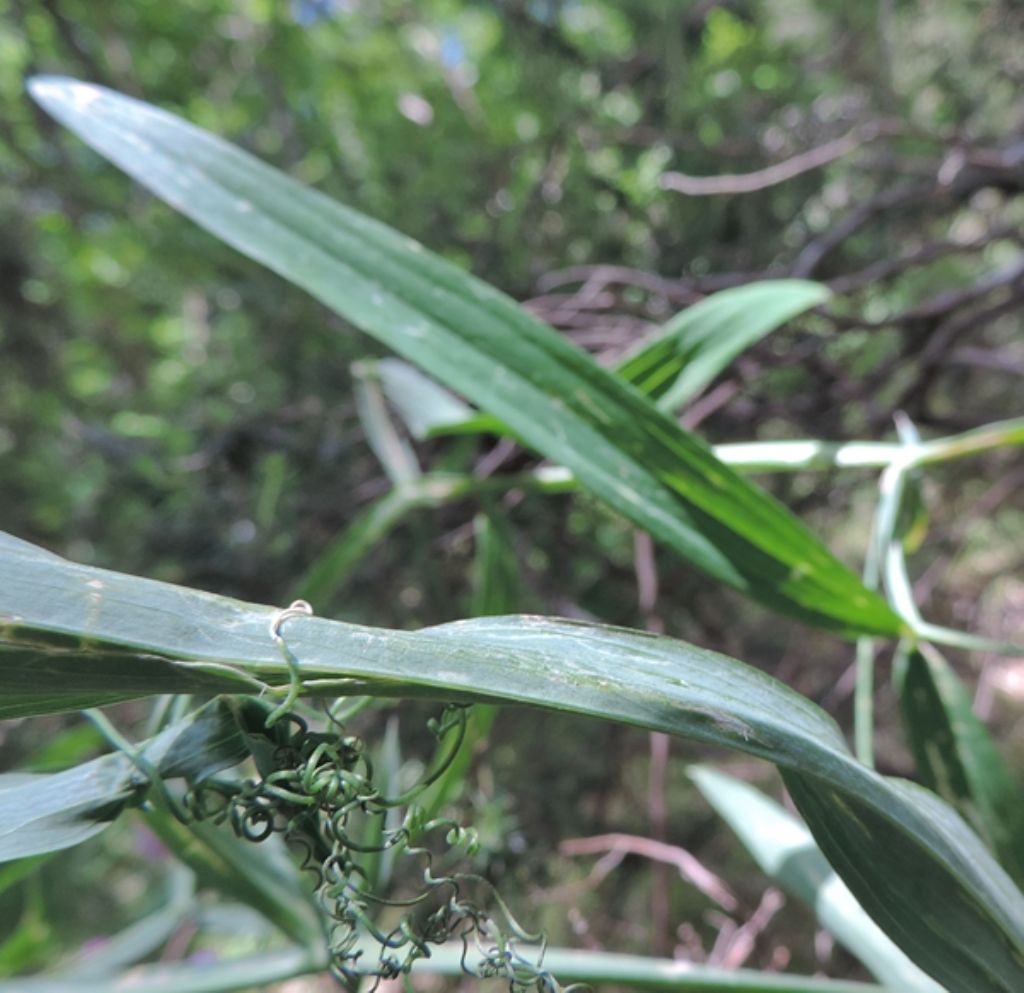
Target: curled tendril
{"x":298,"y":608}
{"x":317,"y":791}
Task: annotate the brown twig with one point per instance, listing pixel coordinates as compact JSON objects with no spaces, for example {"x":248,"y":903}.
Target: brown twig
{"x":736,"y":944}
{"x":689,"y":867}
{"x":943,"y":306}
{"x":781,"y":172}
{"x":705,"y":406}
{"x":1005,"y":360}
{"x":597,"y":277}
{"x":645,"y":567}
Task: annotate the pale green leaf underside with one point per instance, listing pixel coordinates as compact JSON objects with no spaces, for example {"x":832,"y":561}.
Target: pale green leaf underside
{"x":45,"y":813}
{"x":480,"y":343}
{"x":911,"y":862}
{"x":41,"y":813}
{"x":785,"y":850}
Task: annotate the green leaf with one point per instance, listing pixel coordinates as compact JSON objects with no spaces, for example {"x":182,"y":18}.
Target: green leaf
{"x":701,"y":341}
{"x":495,"y":568}
{"x":956,"y":756}
{"x":394,"y":452}
{"x":671,"y":367}
{"x":210,"y":742}
{"x":785,"y":850}
{"x":911,"y":862}
{"x":428,"y":409}
{"x":604,"y":969}
{"x":897,"y":884}
{"x":481,"y":344}
{"x":206,"y":977}
{"x":45,"y":812}
{"x":27,"y":690}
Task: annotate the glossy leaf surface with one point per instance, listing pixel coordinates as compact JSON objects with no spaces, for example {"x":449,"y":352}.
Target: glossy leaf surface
{"x":911,"y":862}
{"x":480,"y":343}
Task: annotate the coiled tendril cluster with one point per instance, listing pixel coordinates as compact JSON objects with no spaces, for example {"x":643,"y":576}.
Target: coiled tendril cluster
{"x":316,"y":790}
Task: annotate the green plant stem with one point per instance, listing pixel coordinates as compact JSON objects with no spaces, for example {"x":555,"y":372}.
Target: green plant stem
{"x":924,"y":631}
{"x":810,"y":454}
{"x":864,"y":702}
{"x":802,"y":455}
{"x":888,"y":548}
{"x":600,"y":968}
{"x":1001,"y":434}
{"x":566,"y":965}
{"x":117,"y":741}
{"x":341,"y":559}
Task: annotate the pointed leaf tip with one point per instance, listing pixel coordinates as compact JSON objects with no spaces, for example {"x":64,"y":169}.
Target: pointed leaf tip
{"x":48,"y":90}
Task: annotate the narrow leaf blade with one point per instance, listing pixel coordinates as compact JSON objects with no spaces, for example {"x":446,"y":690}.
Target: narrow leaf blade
{"x":912,"y":863}
{"x":47,"y":812}
{"x":426,"y":407}
{"x":481,"y":344}
{"x":700,"y":342}
{"x":785,"y":850}
{"x":956,"y":756}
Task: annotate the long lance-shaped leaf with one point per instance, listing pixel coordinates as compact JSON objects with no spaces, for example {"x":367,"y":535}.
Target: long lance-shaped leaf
{"x":175,"y":977}
{"x":597,"y":968}
{"x":698,"y":343}
{"x":482,"y":344}
{"x":785,"y":850}
{"x":604,"y":969}
{"x":956,"y":756}
{"x":671,"y":367}
{"x":42,"y":813}
{"x":912,"y":863}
